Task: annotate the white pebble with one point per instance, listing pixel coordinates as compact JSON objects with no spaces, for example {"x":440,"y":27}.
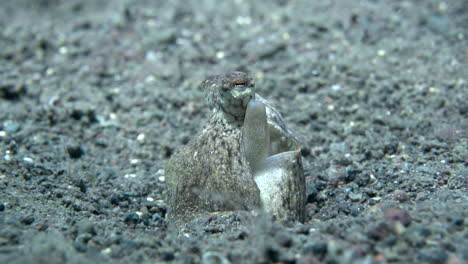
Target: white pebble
{"x":141,"y":137}
{"x":381,"y":53}
{"x":28,"y":160}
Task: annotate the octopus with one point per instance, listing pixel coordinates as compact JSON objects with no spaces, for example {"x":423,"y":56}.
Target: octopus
{"x":244,"y":158}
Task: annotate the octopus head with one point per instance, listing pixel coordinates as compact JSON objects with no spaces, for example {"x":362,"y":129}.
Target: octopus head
{"x":231,"y":93}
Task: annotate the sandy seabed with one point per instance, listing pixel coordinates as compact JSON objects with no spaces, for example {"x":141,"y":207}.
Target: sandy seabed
{"x":95,"y":97}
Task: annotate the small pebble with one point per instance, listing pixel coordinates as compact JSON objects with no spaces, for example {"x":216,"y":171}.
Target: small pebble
{"x":42,"y":226}
{"x":400,"y":196}
{"x":311,"y":192}
{"x":75,"y":151}
{"x":27,"y":220}
{"x":242,"y":235}
{"x":397,"y":214}
{"x":11,"y":127}
{"x":421,"y":196}
{"x":157,"y":218}
{"x":86,"y":227}
{"x":356,"y":210}
{"x":132,"y":218}
{"x":272,"y":254}
{"x":28,"y":160}
{"x":302,"y":229}
{"x":380,"y":231}
{"x":305,"y":151}
{"x":374,"y":200}
{"x":355,"y":197}
{"x":285,"y":240}
{"x":351,"y":174}
{"x":168,"y":256}
{"x":318,"y":249}
{"x":141,"y":137}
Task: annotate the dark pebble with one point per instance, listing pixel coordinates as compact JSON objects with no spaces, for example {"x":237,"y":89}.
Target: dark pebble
{"x":318,"y":249}
{"x":81,"y":242}
{"x":391,"y":148}
{"x":356,"y":210}
{"x":424,"y":231}
{"x":374,"y":201}
{"x":305,"y":151}
{"x":391,"y":240}
{"x":82,"y":185}
{"x":80,"y":246}
{"x":311,"y":192}
{"x":456,"y":222}
{"x":242,"y":235}
{"x":12,"y":92}
{"x":393,"y":214}
{"x":351,"y":174}
{"x":77,"y":114}
{"x":117,"y":199}
{"x":288,"y":258}
{"x":75,"y":151}
{"x":91,"y":116}
{"x":2,"y":207}
{"x":417,"y":236}
{"x":155,"y":208}
{"x":380,"y":231}
{"x":362,"y":179}
{"x":272,"y":254}
{"x":132,"y":218}
{"x":101,"y":142}
{"x":311,"y":210}
{"x":302,"y":229}
{"x":285,"y":240}
{"x":194,"y":249}
{"x":168,"y":256}
{"x":450,"y":247}
{"x":27,"y":220}
{"x":343,"y":162}
{"x":157,"y":218}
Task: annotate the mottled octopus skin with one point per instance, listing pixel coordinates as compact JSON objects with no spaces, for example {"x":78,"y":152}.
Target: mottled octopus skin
{"x":210,"y":174}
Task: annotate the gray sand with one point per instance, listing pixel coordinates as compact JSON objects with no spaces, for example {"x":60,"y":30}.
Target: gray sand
{"x":95,"y":97}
